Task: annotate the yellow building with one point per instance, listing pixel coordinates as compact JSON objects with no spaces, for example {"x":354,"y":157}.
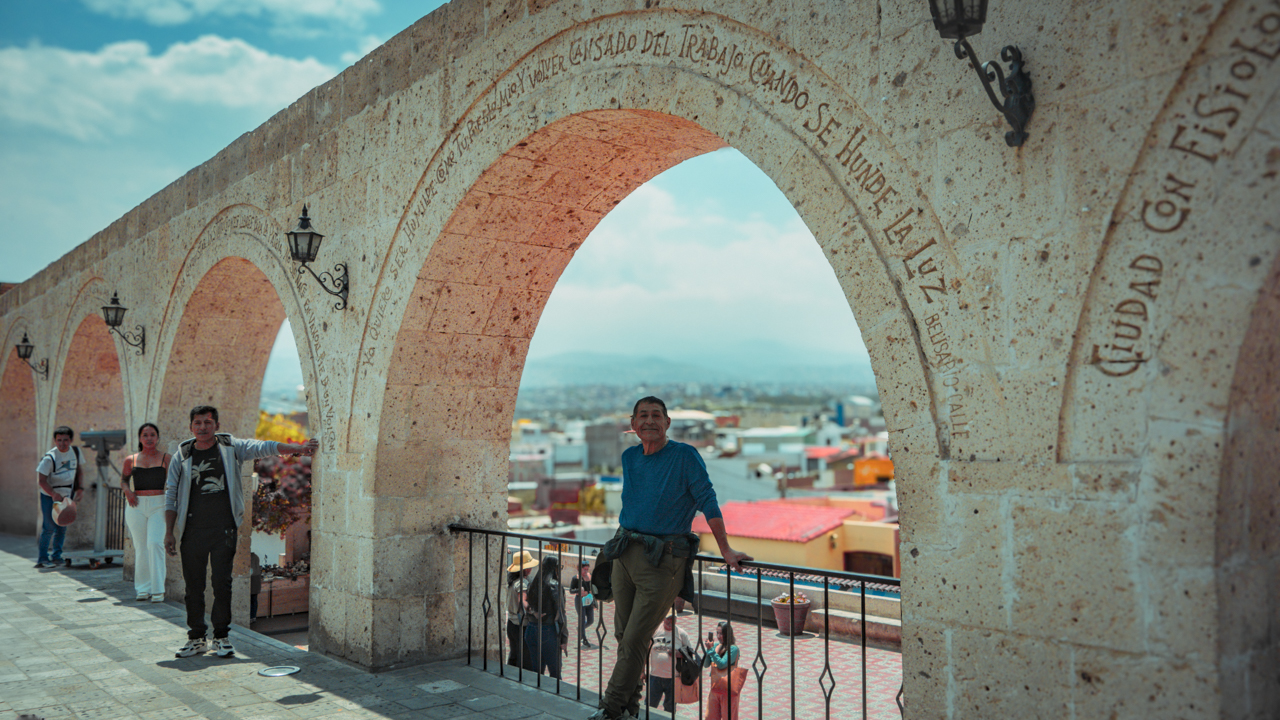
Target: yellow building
{"x":810,"y":533}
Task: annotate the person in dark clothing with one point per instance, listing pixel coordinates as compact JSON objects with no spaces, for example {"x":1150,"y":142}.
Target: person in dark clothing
{"x":546,"y":634}
{"x":580,"y":587}
{"x":204,"y":505}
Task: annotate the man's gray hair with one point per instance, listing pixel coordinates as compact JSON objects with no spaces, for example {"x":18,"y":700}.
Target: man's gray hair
{"x":649,"y":400}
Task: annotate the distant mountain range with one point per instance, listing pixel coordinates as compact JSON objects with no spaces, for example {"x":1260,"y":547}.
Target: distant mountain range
{"x":584,"y":368}
{"x":748,"y":363}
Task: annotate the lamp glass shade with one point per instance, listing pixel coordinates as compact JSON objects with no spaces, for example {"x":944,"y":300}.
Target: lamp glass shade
{"x":956,"y":19}
{"x":24,"y":348}
{"x":113,"y":313}
{"x":304,"y":241}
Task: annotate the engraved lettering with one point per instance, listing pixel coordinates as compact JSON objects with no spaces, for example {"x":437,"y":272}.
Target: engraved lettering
{"x":897,"y":234}
{"x":1164,"y":209}
{"x":1232,"y":109}
{"x":1191,"y":148}
{"x":1149,"y":263}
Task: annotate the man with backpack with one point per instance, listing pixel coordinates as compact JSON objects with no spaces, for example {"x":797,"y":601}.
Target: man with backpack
{"x":204,"y":505}
{"x":664,"y":484}
{"x":59,"y":474}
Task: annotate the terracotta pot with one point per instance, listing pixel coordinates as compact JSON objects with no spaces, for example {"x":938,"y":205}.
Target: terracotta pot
{"x":791,"y":617}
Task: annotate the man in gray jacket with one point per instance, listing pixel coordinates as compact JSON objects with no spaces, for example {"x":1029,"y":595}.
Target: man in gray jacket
{"x":204,"y":505}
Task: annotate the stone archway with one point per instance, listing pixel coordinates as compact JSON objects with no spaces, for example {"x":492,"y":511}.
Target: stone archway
{"x":20,"y":513}
{"x":220,"y":350}
{"x":90,"y":396}
{"x":218,"y":354}
{"x":988,"y":283}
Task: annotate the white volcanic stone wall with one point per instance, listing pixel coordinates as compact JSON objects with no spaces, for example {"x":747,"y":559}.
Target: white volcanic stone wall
{"x":1074,"y":340}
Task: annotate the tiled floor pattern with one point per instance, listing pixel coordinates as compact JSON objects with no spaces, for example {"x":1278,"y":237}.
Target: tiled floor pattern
{"x":883,"y":670}
{"x":73,"y":644}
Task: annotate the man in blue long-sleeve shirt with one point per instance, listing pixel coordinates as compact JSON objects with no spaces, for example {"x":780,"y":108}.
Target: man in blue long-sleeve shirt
{"x":664,"y":483}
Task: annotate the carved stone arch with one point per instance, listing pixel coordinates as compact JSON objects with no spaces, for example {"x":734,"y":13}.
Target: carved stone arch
{"x":86,"y":308}
{"x":229,"y":297}
{"x":87,"y":384}
{"x":271,"y":291}
{"x":844,"y":177}
{"x":20,"y":513}
{"x":525,"y":174}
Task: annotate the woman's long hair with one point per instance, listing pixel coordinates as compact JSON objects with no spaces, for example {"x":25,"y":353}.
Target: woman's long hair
{"x":727,"y":630}
{"x":548,"y":575}
{"x":144,"y":427}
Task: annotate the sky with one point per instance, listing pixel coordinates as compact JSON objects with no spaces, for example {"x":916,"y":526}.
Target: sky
{"x":105,"y":102}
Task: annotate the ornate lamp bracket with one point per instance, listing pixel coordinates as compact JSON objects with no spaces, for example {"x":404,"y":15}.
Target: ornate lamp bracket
{"x":339,"y":281}
{"x":1018,"y":102}
{"x":137,"y":340}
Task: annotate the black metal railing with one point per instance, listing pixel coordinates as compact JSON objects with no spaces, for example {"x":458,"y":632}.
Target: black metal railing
{"x":113,"y":537}
{"x":500,"y":546}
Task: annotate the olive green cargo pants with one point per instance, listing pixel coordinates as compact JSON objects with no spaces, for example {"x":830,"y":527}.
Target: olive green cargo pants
{"x":642,"y":596}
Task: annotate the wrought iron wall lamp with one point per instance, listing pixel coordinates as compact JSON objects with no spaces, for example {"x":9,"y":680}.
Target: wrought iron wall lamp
{"x":957,"y":19}
{"x":304,"y":245}
{"x":114,"y":315}
{"x":24,"y":354}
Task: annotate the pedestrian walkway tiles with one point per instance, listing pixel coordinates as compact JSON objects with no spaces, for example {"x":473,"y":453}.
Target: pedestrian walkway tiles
{"x":812,"y":656}
{"x":74,"y":644}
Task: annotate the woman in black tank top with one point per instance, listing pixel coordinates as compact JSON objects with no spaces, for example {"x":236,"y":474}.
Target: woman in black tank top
{"x":142,"y":478}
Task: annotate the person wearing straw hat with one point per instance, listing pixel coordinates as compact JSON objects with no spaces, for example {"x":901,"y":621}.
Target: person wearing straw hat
{"x":517,"y":584}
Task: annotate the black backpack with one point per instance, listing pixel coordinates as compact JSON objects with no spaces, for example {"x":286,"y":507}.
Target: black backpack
{"x":543,"y":598}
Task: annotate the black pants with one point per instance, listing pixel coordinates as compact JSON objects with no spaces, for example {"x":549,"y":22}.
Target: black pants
{"x":213,"y":548}
{"x":586,"y":616}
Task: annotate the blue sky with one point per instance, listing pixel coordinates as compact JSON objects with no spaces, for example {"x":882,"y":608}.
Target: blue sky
{"x":104,"y":102}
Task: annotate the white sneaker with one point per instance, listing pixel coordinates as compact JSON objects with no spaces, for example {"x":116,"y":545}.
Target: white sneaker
{"x":194,"y":646}
{"x":142,"y":597}
{"x":157,"y":598}
{"x":222,"y":647}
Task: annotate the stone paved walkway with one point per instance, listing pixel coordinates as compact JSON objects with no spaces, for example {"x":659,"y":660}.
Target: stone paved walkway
{"x":74,"y":644}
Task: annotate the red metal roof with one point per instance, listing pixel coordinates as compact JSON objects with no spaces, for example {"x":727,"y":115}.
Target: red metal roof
{"x":776,"y":520}
{"x":832,"y":454}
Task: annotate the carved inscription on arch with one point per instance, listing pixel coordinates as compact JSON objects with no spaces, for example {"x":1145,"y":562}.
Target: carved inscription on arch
{"x":231,"y":229}
{"x":779,"y":81}
{"x":1171,"y":205}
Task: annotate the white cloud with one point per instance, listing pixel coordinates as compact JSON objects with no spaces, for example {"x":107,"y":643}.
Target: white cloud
{"x":177,"y":12}
{"x":698,"y":277}
{"x":368,"y":44}
{"x":89,"y":95}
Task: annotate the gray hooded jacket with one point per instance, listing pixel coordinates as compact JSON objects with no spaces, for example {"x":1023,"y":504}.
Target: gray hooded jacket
{"x":235,"y":452}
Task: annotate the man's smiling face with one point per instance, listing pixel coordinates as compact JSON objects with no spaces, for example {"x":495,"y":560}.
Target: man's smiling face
{"x":650,"y":422}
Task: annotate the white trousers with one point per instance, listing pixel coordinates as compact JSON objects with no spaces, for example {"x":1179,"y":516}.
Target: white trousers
{"x":146,"y":528}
